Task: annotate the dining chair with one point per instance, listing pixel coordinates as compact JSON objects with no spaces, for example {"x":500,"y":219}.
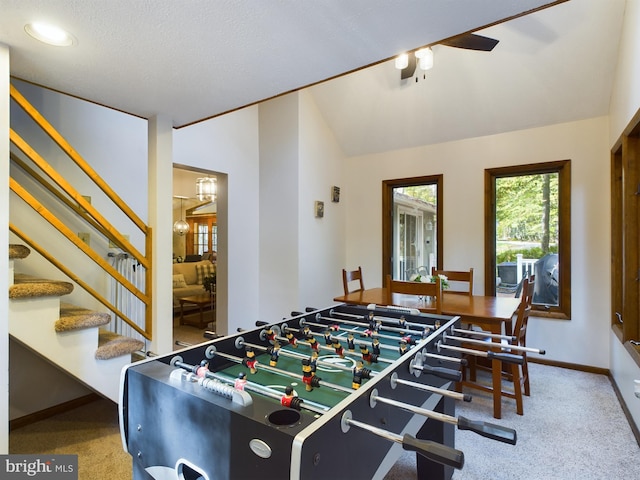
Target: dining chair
{"x":352,"y":276}
{"x":459,"y":278}
{"x":518,"y":374}
{"x":423,"y":289}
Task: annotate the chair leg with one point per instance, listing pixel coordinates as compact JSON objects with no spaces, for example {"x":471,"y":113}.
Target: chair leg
{"x":525,"y":377}
{"x":517,"y":388}
{"x":472,"y":367}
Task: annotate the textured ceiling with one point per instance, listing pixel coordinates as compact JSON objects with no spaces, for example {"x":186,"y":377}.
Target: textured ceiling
{"x":189,"y":60}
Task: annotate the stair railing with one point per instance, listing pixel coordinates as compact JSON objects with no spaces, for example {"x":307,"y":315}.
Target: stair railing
{"x":77,"y":203}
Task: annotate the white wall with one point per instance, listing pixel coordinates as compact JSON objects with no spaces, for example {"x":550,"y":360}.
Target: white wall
{"x":278,"y":207}
{"x":625,"y":102}
{"x":4,"y":249}
{"x":229,"y":145}
{"x":322,"y":252}
{"x":580,"y":340}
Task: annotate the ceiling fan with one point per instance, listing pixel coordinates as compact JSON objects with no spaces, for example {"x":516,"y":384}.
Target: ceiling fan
{"x":468,"y":41}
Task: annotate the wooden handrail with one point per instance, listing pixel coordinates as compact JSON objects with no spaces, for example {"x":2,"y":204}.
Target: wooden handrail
{"x":73,"y":238}
{"x":36,"y":158}
{"x":78,"y":280}
{"x":76,"y":157}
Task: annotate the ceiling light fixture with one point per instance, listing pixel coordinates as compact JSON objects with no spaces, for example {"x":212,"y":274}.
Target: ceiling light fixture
{"x":425,"y":58}
{"x":206,"y":189}
{"x":50,"y":34}
{"x":402,"y":61}
{"x":181,"y":227}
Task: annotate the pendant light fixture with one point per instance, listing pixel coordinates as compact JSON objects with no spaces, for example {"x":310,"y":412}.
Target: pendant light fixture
{"x":206,"y":189}
{"x":181,"y":227}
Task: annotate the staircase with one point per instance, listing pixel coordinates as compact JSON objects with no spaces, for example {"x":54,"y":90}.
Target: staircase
{"x":66,"y":335}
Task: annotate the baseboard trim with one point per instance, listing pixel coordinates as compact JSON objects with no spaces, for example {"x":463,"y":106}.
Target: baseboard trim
{"x":570,"y":366}
{"x":51,"y":411}
{"x":625,"y":409}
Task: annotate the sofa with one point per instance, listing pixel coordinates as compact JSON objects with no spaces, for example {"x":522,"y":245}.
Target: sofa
{"x":187,"y":278}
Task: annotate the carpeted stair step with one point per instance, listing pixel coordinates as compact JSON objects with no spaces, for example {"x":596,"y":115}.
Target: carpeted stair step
{"x":27,"y":286}
{"x":73,"y":317}
{"x":111,"y":345}
{"x":18,"y":251}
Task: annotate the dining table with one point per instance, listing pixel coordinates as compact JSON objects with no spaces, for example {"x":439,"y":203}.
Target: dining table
{"x":492,"y":314}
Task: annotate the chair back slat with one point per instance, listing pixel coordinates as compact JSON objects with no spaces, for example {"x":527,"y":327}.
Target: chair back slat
{"x":424,"y":289}
{"x":352,"y":276}
{"x":458,"y":277}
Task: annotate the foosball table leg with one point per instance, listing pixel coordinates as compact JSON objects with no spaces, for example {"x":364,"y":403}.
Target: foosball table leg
{"x":439,"y":432}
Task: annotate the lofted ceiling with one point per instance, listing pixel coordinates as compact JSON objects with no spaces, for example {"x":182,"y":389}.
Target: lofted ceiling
{"x":552,"y":66}
{"x":196,"y":59}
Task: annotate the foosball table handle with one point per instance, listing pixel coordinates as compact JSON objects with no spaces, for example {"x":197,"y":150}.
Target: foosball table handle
{"x":506,"y":357}
{"x":489,"y":430}
{"x":434,"y":451}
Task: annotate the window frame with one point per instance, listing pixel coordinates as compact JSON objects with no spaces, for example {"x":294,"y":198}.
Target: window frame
{"x":563,"y":169}
{"x":387,"y":217}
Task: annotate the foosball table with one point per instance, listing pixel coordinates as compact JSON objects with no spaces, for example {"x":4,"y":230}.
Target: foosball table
{"x":328,"y":393}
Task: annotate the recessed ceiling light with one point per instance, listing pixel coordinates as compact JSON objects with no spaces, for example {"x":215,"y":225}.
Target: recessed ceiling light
{"x":50,"y":34}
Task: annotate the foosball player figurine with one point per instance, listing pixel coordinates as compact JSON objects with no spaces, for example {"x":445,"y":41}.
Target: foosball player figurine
{"x":366,"y":354}
{"x":408,"y":339}
{"x":240,"y":382}
{"x":293,"y":341}
{"x":378,"y":325}
{"x":202,"y":370}
{"x":402,"y":322}
{"x":270,"y":335}
{"x":337,"y":346}
{"x":327,"y":337}
{"x":306,"y":333}
{"x":307,"y":374}
{"x":372,"y":321}
{"x":403,"y":347}
{"x":314,"y":361}
{"x":274,"y":350}
{"x":313,"y":343}
{"x":289,"y":399}
{"x":359,"y":374}
{"x":375,"y":346}
{"x":425,"y":332}
{"x":351,"y":344}
{"x":249,"y":360}
{"x":334,"y":328}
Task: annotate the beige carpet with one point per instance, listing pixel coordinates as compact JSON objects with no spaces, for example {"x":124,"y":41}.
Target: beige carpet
{"x":573,"y":428}
{"x":90,"y":431}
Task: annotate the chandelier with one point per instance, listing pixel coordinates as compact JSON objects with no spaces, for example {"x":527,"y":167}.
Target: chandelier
{"x":206,"y":189}
{"x":181,"y":227}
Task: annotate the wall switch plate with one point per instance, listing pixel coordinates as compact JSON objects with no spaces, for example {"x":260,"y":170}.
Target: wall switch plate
{"x":636,"y":388}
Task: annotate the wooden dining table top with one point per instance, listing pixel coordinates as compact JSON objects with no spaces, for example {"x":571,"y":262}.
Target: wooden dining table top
{"x":478,"y":309}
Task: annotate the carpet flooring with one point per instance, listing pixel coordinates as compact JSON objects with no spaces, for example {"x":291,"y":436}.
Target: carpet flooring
{"x":573,"y":428}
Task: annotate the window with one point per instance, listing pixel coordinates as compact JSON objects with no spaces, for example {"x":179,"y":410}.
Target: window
{"x":203,"y":234}
{"x":625,"y":240}
{"x":527,"y":231}
{"x":412,"y":237}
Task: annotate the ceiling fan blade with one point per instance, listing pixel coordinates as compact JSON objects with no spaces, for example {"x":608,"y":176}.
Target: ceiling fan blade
{"x":409,"y":70}
{"x":471,"y":41}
